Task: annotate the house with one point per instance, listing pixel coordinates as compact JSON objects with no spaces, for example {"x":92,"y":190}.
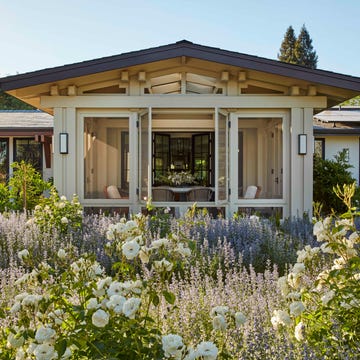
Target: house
{"x":25,"y":135}
{"x":336,"y":129}
{"x":240,"y":125}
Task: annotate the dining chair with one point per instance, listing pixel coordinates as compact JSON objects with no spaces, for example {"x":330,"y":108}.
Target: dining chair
{"x":252,"y":192}
{"x":162,"y":194}
{"x":199,"y":194}
{"x":112,"y":192}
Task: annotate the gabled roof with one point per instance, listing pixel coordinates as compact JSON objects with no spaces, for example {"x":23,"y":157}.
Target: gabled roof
{"x":178,"y":49}
{"x":342,"y":120}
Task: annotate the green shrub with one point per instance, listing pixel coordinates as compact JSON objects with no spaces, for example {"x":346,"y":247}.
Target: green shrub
{"x":26,"y":186}
{"x":327,"y":175}
{"x":4,"y":198}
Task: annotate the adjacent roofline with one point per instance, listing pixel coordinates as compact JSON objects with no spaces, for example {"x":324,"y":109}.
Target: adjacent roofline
{"x":180,"y":48}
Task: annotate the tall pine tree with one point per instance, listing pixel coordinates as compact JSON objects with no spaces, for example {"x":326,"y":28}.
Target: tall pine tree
{"x":298,"y":50}
{"x":287,"y":49}
{"x":304,"y":52}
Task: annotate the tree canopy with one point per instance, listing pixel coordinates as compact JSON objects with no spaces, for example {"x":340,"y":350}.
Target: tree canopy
{"x":298,"y":50}
{"x":8,"y":102}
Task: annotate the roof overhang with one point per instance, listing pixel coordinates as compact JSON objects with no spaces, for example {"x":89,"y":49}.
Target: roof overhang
{"x":337,"y":87}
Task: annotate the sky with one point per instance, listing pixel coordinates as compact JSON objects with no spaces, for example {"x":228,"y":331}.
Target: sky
{"x":41,"y":34}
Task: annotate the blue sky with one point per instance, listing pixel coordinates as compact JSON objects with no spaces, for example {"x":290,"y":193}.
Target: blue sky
{"x":40,"y":34}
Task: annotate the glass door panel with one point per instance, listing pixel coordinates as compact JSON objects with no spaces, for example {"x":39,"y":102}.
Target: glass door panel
{"x":161,"y":157}
{"x":202,"y":159}
{"x":144,"y":170}
{"x":222,"y":151}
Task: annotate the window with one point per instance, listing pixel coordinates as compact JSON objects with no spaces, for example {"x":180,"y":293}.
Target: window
{"x":30,"y":151}
{"x":106,"y":156}
{"x":319,"y":147}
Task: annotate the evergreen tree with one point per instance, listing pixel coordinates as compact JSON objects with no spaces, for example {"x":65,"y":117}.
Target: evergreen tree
{"x":304,"y":52}
{"x":8,"y":102}
{"x":298,"y":50}
{"x":287,"y":49}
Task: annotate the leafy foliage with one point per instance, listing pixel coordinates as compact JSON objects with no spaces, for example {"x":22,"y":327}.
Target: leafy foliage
{"x":328,"y":173}
{"x":8,"y":102}
{"x":298,"y":50}
{"x":323,"y":287}
{"x":26,"y":186}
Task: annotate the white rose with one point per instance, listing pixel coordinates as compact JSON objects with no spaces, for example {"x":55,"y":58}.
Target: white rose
{"x":130,"y":249}
{"x":219,"y":322}
{"x":240,"y":319}
{"x":207,"y":350}
{"x":130,"y":307}
{"x":20,"y":354}
{"x":63,"y":198}
{"x":296,"y":308}
{"x":23,"y":254}
{"x":327,"y":297}
{"x":61,"y":254}
{"x":183,"y":250}
{"x":45,"y":352}
{"x":172,"y":345}
{"x":280,"y":317}
{"x":15,"y":341}
{"x":44,"y":334}
{"x":116,"y":303}
{"x":144,"y":255}
{"x":92,"y":304}
{"x":163,"y":265}
{"x":219,"y":310}
{"x":156,"y":244}
{"x":100,"y":318}
{"x":298,"y":268}
{"x":299,"y":331}
{"x":64,"y":220}
{"x":115,"y":288}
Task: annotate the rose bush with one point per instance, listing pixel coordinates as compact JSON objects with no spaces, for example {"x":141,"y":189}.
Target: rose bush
{"x":323,"y":287}
{"x":74,"y":310}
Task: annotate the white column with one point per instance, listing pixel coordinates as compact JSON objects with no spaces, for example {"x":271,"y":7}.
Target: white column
{"x":134,"y":162}
{"x":233,"y":163}
{"x":297,"y":164}
{"x":308,"y":161}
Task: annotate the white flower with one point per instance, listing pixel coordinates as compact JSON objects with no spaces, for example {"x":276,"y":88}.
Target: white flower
{"x":45,"y":352}
{"x":299,"y":331}
{"x":92,"y":304}
{"x":20,"y":354}
{"x":326,"y":249}
{"x":207,"y":350}
{"x":63,"y":198}
{"x":296,"y":308}
{"x":100,"y":318}
{"x":57,"y":315}
{"x":23,"y":254}
{"x":130,"y":226}
{"x":240,"y":319}
{"x":64,"y":220}
{"x":156,"y":244}
{"x":172,"y":346}
{"x":31,"y":300}
{"x":44,"y":334}
{"x":318,"y":228}
{"x":67,"y":354}
{"x":130,"y":307}
{"x":144,"y":255}
{"x":298,"y":268}
{"x":61,"y":254}
{"x":132,"y":286}
{"x":15,"y":308}
{"x":15,"y":341}
{"x":219,"y":322}
{"x":183,"y":250}
{"x":116,"y":303}
{"x":327,"y":297}
{"x":219,"y":310}
{"x":163,"y":265}
{"x":280,"y":317}
{"x":115,"y":288}
{"x":130,"y":249}
{"x":283,"y":285}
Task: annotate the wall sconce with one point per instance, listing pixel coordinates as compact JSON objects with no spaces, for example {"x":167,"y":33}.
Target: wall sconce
{"x":64,"y":143}
{"x":302,"y":144}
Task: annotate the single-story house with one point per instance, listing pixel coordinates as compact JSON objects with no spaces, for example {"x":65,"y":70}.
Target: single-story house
{"x":236,"y":129}
{"x":26,"y":135}
{"x":336,"y":129}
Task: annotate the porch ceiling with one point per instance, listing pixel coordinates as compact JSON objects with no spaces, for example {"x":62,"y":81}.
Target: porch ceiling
{"x":203,"y":65}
